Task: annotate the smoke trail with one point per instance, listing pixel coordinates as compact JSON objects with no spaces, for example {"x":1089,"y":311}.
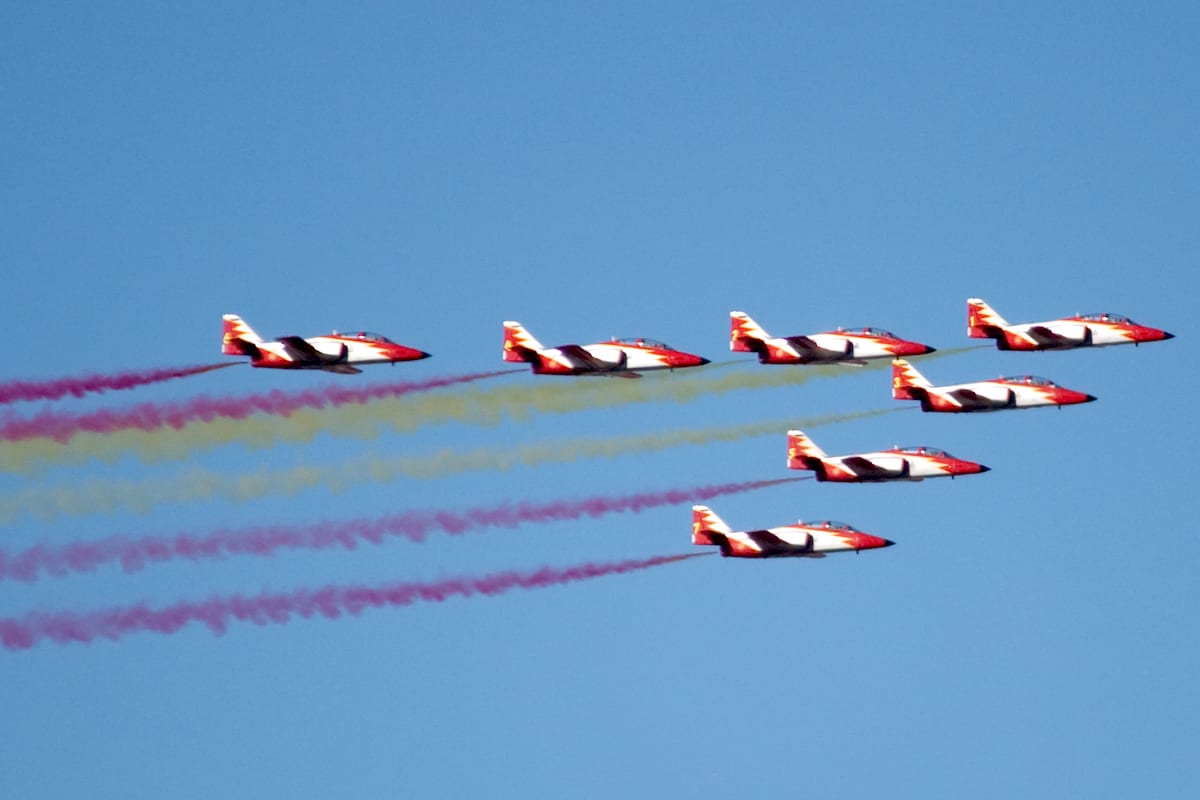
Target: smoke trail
{"x":416,"y":526}
{"x":17,"y":391}
{"x":402,"y":414}
{"x":153,"y":416}
{"x":107,"y":496}
{"x":331,"y":602}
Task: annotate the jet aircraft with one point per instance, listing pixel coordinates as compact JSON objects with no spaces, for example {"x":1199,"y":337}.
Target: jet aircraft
{"x":802,"y":540}
{"x":1021,"y":391}
{"x":335,"y":352}
{"x":897,"y":464}
{"x":1081,"y":330}
{"x":843,"y":346}
{"x":623,"y":358}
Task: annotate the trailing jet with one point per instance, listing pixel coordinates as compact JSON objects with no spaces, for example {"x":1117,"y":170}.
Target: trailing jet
{"x":843,"y":346}
{"x":336,"y":352}
{"x":623,"y":358}
{"x":802,"y":540}
{"x":897,"y":464}
{"x":1081,"y":330}
{"x":1022,"y":391}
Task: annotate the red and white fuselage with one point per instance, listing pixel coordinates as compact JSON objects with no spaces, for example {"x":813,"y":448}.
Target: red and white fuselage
{"x":1081,"y":330}
{"x":843,"y":346}
{"x":1020,"y":391}
{"x":335,"y":352}
{"x":802,"y":540}
{"x":897,"y":464}
{"x":623,"y":358}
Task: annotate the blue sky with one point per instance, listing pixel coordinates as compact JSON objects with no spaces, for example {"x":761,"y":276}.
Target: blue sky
{"x":430,"y":170}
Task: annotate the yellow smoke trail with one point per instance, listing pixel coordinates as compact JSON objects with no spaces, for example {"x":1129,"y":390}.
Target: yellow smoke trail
{"x":99,"y":496}
{"x":474,"y":406}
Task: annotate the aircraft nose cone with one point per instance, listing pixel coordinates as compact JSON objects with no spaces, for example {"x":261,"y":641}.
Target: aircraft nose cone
{"x":700,"y":361}
{"x":1166,"y":336}
{"x":983,"y":469}
{"x":928,"y":350}
{"x":887,"y":543}
{"x":1088,"y":398}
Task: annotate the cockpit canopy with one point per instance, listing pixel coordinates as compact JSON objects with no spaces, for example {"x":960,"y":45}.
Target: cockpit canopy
{"x":364,"y":336}
{"x":639,"y":341}
{"x":922,"y":450}
{"x":1029,"y":380}
{"x":828,"y":525}
{"x":858,"y":330}
{"x":1106,"y":317}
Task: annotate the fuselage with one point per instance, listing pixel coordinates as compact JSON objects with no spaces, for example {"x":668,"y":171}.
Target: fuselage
{"x":997,"y":395}
{"x":834,"y":346}
{"x":638,"y":355}
{"x":897,"y":464}
{"x":1082,"y":330}
{"x":351,"y":348}
{"x":802,"y":540}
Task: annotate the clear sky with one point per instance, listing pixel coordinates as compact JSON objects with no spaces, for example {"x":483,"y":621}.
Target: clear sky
{"x":428,"y":170}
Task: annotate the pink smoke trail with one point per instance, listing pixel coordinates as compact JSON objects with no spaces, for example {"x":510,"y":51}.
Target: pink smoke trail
{"x":279,"y":608}
{"x":17,"y":391}
{"x":152,"y":416}
{"x":136,"y":554}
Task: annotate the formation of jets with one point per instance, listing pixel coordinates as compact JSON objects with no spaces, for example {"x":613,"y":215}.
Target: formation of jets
{"x":627,"y":358}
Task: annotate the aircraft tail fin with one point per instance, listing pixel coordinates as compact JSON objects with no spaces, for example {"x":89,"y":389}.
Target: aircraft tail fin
{"x":519,"y":344}
{"x":237,"y":334}
{"x":802,"y":451}
{"x":745,"y":335}
{"x":905,"y":378}
{"x":982,"y":320}
{"x":708,"y":528}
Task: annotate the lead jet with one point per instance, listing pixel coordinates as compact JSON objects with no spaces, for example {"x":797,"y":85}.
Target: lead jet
{"x":1081,"y":330}
{"x":335,"y":352}
{"x":622,"y":358}
{"x":842,"y":346}
{"x":897,"y":464}
{"x":1021,"y":391}
{"x":802,"y":540}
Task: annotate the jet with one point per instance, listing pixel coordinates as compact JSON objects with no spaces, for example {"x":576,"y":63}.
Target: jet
{"x":802,"y":540}
{"x":897,"y":464}
{"x":336,"y":352}
{"x":843,"y":346}
{"x":1021,"y":391}
{"x":622,"y":358}
{"x":1081,"y":330}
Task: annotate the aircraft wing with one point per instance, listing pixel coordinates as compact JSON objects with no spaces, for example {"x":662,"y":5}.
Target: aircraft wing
{"x":302,"y":351}
{"x":580,"y":358}
{"x":770,"y":543}
{"x":341,"y":369}
{"x":1044,"y":336}
{"x":866,"y":468}
{"x":968,"y":398}
{"x":807,"y":347}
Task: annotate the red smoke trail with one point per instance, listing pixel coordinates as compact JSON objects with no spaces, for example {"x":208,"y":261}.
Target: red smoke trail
{"x":278,"y":609}
{"x":152,"y":416}
{"x":16,"y":391}
{"x":136,"y":554}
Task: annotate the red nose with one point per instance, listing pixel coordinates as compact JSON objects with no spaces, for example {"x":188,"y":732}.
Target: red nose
{"x":1144,"y":334}
{"x":399,"y":352}
{"x":865,"y":541}
{"x":677,"y":359}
